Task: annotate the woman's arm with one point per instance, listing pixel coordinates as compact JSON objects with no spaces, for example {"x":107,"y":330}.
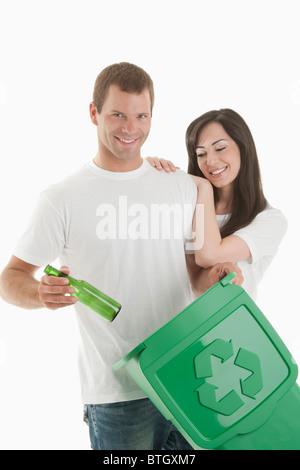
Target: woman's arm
{"x":210,"y":248}
{"x":162,"y":164}
{"x":203,"y":279}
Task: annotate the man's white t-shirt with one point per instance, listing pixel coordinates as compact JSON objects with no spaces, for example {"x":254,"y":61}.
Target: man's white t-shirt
{"x":263,"y":237}
{"x":127,"y":234}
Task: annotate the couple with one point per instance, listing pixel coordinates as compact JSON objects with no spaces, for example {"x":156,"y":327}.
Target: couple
{"x":151,"y":278}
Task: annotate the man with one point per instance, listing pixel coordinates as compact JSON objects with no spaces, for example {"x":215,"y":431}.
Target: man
{"x":107,"y":223}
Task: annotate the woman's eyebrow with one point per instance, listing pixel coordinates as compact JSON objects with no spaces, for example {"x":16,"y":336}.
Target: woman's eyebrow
{"x":214,"y":143}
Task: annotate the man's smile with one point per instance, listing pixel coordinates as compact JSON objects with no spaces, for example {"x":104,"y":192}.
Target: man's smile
{"x":126,"y":141}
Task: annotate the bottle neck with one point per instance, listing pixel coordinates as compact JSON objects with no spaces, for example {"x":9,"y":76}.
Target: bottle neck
{"x":50,"y":271}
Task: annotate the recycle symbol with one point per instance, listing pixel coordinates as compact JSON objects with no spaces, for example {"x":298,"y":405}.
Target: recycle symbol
{"x":250,"y":386}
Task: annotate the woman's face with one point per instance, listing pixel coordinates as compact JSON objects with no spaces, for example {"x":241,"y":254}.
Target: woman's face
{"x":218,"y":155}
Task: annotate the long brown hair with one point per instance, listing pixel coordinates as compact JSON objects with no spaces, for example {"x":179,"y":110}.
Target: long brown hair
{"x":248,"y":196}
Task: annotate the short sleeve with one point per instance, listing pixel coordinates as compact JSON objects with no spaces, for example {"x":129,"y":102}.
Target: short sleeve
{"x":188,"y":191}
{"x":265,"y":233}
{"x":44,"y":238}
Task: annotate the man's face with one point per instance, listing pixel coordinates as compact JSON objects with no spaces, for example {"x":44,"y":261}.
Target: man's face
{"x":123,"y":124}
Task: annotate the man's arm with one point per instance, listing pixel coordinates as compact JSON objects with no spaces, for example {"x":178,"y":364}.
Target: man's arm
{"x":19,"y":287}
{"x":203,"y":279}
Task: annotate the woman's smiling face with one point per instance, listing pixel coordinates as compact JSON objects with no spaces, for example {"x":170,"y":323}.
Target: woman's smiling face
{"x":218,"y":154}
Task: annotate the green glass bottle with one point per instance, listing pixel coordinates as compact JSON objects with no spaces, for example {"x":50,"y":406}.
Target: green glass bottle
{"x":89,"y":295}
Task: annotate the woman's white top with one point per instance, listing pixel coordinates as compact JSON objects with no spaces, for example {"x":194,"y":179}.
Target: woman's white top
{"x":263,"y":237}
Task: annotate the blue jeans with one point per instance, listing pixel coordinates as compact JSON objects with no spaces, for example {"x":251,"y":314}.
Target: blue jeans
{"x":131,"y":425}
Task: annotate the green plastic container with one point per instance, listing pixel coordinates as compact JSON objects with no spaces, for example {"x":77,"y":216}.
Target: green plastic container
{"x":221,"y":374}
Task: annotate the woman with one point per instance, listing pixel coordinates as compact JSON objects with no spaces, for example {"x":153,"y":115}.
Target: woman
{"x":239,"y":224}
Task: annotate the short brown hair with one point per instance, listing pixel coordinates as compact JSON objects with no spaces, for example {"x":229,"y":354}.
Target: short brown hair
{"x":128,"y":77}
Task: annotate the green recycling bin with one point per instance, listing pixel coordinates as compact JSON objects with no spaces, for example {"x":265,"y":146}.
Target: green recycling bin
{"x":221,"y":374}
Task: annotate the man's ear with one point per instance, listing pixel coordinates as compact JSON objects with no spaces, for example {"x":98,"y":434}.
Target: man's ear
{"x":93,"y":113}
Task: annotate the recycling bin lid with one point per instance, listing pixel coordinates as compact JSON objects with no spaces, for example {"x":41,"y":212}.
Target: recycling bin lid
{"x":218,"y":367}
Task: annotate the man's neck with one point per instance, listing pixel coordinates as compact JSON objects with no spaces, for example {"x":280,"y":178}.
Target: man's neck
{"x":118,"y":165}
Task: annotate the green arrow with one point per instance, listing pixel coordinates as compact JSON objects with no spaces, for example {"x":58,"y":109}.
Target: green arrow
{"x":226,"y":406}
{"x":250,"y":361}
{"x":202,"y":362}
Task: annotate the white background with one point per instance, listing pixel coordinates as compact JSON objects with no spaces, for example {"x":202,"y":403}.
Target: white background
{"x":202,"y":55}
